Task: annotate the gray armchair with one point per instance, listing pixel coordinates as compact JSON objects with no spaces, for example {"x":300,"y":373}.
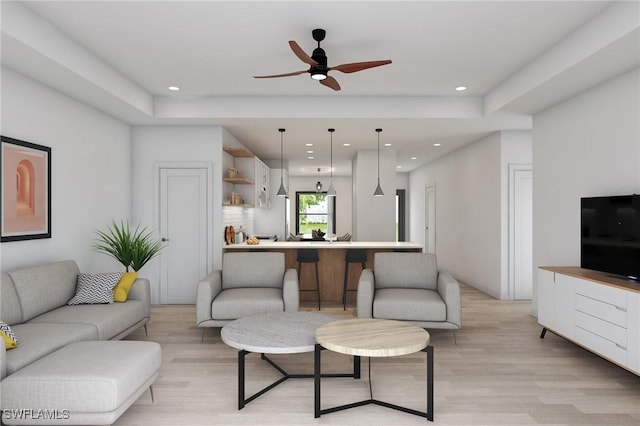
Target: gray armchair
{"x":409,"y":287}
{"x":249,"y":283}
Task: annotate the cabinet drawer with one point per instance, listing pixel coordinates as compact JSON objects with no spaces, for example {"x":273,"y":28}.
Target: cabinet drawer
{"x":604,"y":329}
{"x":602,"y":310}
{"x":601,"y":292}
{"x":601,"y":346}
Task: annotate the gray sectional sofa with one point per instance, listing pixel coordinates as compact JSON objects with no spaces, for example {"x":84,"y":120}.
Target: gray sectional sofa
{"x":33,"y":301}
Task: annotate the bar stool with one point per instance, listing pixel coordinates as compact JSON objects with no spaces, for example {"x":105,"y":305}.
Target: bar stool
{"x":352,"y":256}
{"x":309,"y":256}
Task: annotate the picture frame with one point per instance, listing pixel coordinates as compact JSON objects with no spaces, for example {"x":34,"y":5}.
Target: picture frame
{"x":25,"y":190}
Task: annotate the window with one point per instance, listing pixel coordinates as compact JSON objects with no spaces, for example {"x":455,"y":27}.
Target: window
{"x":315,"y":211}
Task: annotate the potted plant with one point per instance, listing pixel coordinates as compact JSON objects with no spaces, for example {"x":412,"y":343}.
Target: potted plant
{"x":131,"y":248}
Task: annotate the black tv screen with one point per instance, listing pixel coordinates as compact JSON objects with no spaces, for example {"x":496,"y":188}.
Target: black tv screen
{"x":610,"y":239}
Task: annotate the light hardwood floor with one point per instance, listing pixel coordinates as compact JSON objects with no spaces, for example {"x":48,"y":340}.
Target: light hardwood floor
{"x":500,"y":372}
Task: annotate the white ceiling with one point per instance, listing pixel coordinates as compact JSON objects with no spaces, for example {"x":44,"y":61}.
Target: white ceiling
{"x":515,"y":57}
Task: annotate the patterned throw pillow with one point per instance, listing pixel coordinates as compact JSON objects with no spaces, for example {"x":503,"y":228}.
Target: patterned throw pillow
{"x":95,"y":288}
{"x":10,"y":339}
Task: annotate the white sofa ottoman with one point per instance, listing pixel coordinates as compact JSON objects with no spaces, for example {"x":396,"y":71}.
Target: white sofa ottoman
{"x":84,"y":383}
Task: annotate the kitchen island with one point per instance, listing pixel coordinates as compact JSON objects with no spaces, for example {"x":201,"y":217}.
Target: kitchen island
{"x":331,"y":265}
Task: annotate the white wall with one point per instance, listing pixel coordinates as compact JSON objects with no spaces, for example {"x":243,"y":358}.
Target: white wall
{"x":91,"y":172}
{"x":588,"y":145}
{"x":152,"y":144}
{"x":468,"y":206}
{"x":374,"y":218}
{"x":342,"y":185}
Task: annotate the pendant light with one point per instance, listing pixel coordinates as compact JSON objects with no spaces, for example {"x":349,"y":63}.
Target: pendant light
{"x":331,"y":192}
{"x":318,"y":184}
{"x":282,"y":191}
{"x":378,"y":192}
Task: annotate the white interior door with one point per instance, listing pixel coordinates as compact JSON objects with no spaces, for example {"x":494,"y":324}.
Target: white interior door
{"x":430,"y":219}
{"x":184,"y":210}
{"x":521,"y":224}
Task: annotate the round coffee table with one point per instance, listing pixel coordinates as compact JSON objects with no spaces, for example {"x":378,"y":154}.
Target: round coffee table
{"x":372,"y":337}
{"x":274,"y":333}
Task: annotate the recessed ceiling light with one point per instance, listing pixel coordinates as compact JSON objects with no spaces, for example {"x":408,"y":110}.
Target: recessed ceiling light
{"x":310,"y":151}
{"x":174,"y":88}
{"x":398,"y":167}
{"x":308,"y":144}
{"x":414,"y":158}
{"x":346,"y":144}
{"x":311,"y":157}
{"x":387,"y":144}
{"x":461,"y":88}
{"x":437,"y":144}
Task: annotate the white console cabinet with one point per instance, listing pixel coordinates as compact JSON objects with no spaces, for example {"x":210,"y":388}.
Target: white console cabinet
{"x":593,"y":310}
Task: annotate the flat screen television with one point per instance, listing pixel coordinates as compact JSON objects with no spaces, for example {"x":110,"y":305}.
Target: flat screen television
{"x":610,"y":240}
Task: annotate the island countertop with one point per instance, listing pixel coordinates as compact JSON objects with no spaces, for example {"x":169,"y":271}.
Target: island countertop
{"x":393,"y":245}
{"x":331,"y":266}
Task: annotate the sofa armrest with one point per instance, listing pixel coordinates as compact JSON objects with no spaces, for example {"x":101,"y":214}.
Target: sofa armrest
{"x":290,"y":291}
{"x":3,"y":360}
{"x":449,"y":290}
{"x":141,"y":290}
{"x":366,"y":288}
{"x":208,"y":288}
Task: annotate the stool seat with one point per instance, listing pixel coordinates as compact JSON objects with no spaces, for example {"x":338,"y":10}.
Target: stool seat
{"x":352,"y":256}
{"x":309,"y":256}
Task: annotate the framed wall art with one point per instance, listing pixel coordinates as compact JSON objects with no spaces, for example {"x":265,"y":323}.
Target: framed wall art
{"x":25,"y":190}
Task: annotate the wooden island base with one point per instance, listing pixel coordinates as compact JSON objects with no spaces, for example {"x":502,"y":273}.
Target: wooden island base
{"x":331,"y":265}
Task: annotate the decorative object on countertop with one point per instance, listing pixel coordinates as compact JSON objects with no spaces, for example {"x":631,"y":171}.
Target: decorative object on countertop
{"x":253,"y":241}
{"x":345,"y":237}
{"x":295,"y":237}
{"x":131,"y":248}
{"x":317,"y":235}
{"x":229,"y":235}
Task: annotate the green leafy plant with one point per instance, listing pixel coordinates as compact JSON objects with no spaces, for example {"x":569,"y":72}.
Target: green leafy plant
{"x":131,"y":248}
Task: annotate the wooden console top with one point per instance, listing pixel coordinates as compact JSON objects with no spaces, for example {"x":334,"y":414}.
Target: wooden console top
{"x":595,"y":276}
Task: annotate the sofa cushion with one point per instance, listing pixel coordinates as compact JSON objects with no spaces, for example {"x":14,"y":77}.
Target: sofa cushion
{"x":252,"y":269}
{"x":121,"y":292}
{"x":95,"y":288}
{"x":39,"y":340}
{"x":9,"y":302}
{"x":107,"y":319}
{"x":44,"y":287}
{"x":406,"y":270}
{"x":241,"y":302}
{"x":409,"y":304}
{"x":9,"y":337}
{"x":86,"y":378}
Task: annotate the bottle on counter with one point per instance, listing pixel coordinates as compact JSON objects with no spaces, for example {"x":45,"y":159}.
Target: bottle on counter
{"x":240,"y":236}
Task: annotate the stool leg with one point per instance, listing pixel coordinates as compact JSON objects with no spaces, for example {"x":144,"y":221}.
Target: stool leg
{"x":346,"y":286}
{"x":317,"y":284}
{"x":151,"y":391}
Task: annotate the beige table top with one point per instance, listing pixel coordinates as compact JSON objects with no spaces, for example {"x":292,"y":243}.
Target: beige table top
{"x":372,"y":337}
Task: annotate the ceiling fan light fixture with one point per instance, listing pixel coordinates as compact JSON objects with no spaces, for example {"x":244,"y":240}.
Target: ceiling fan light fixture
{"x":318,"y":75}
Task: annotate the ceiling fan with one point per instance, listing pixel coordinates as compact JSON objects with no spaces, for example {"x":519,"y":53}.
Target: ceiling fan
{"x":318,"y":63}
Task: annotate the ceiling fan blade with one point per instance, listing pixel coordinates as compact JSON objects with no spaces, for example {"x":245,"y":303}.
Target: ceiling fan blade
{"x":359,"y":66}
{"x":289,"y":74}
{"x":301,"y":54}
{"x":330,"y":82}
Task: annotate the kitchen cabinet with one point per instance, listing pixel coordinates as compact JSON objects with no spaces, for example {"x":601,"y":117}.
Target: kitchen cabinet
{"x":248,"y":180}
